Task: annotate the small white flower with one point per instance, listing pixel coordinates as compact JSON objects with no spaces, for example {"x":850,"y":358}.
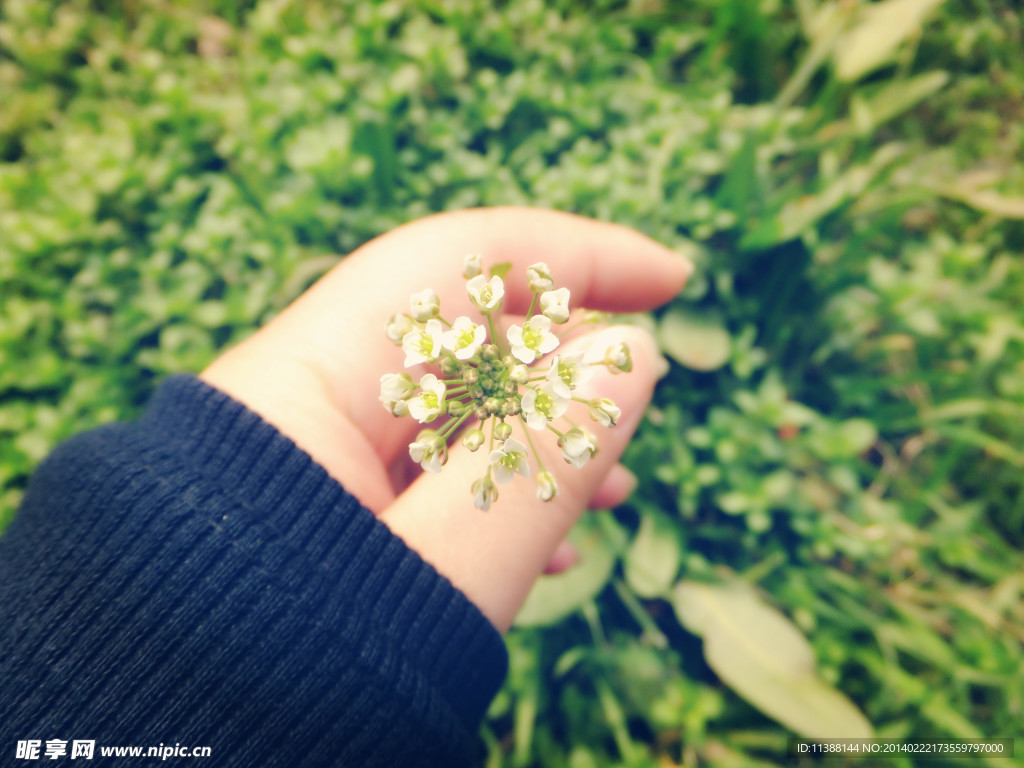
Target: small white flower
{"x":429,"y":403}
{"x":424,"y":305}
{"x":422,"y":345}
{"x":429,"y":451}
{"x":547,"y":488}
{"x":486,"y":294}
{"x":577,"y":447}
{"x":539,"y":277}
{"x":474,"y":439}
{"x":464,"y":339}
{"x":543,"y":405}
{"x":395,"y":390}
{"x":568,"y":372}
{"x":508,"y":460}
{"x":531,"y":339}
{"x":484,"y":493}
{"x":618,"y":359}
{"x":398,"y":326}
{"x":472,"y":265}
{"x":555,"y":305}
{"x":604,"y":411}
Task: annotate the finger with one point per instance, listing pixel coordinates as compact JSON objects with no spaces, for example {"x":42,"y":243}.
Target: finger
{"x":341,"y":318}
{"x":494,"y":557}
{"x":562,"y":559}
{"x":616,"y":487}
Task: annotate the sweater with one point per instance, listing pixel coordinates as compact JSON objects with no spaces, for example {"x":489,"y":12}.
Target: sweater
{"x":195,"y":579}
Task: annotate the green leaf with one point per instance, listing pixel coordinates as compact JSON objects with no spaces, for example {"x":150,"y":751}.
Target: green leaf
{"x":653,"y":558}
{"x":696,"y":340}
{"x":500,"y":270}
{"x":555,"y":597}
{"x":764,"y":658}
{"x":882,"y":27}
{"x":893,"y":99}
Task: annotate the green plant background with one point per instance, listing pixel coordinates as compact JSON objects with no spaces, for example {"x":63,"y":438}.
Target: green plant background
{"x":843,"y":426}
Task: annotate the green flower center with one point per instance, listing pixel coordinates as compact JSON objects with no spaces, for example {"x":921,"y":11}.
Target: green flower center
{"x":532,"y":336}
{"x":464,"y":339}
{"x":426,"y":344}
{"x":543,"y":404}
{"x":566,"y":372}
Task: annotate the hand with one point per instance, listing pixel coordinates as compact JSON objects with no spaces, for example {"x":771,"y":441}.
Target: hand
{"x":314,"y":373}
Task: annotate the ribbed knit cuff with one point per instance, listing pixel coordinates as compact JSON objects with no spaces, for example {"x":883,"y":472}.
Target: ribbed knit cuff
{"x":327,"y":538}
{"x":196,"y":578}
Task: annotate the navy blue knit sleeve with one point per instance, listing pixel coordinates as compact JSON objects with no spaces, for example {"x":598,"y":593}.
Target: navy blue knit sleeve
{"x":196,"y":579}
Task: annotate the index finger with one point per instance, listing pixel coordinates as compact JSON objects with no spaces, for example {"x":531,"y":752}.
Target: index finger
{"x":604,"y":266}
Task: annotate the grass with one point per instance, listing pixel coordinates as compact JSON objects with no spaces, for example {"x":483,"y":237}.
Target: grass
{"x":841,"y":430}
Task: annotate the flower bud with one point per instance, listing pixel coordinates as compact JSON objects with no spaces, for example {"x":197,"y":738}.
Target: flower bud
{"x":395,"y":390}
{"x":397,"y":407}
{"x":472,"y":265}
{"x":397,"y":327}
{"x":555,"y":305}
{"x":539,"y":277}
{"x":604,"y":411}
{"x":484,"y":493}
{"x":470,"y":376}
{"x":547,"y":488}
{"x":476,"y":392}
{"x":618,"y":358}
{"x":492,"y":404}
{"x":457,"y":408}
{"x":508,"y":361}
{"x":429,"y":450}
{"x":519,"y":374}
{"x":577,"y":447}
{"x":424,"y":305}
{"x":473,"y":439}
{"x":489,"y":352}
{"x":481,"y":413}
{"x":503,"y":431}
{"x":486,"y":294}
{"x":449,"y":366}
{"x":485,"y":367}
{"x":514,"y":407}
{"x":511,"y":387}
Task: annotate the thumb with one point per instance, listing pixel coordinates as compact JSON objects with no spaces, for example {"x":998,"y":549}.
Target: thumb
{"x":494,"y":557}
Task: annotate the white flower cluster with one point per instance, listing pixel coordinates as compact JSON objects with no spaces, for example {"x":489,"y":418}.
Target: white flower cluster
{"x":503,"y":380}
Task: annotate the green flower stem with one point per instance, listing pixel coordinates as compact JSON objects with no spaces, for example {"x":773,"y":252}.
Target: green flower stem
{"x":456,"y":390}
{"x":529,"y":439}
{"x":553,"y":429}
{"x":581,"y":400}
{"x":439,"y":317}
{"x":453,"y":426}
{"x":640,"y":615}
{"x":495,"y":339}
{"x":533,"y":306}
